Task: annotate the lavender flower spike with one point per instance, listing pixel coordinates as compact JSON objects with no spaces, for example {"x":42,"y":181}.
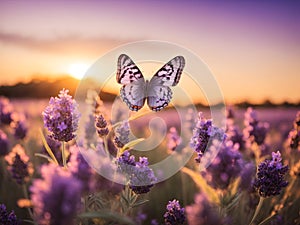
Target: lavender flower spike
{"x":203,"y":135}
{"x":55,"y":197}
{"x":122,"y":134}
{"x":7,"y":218}
{"x":270,"y":176}
{"x":61,"y":117}
{"x":3,"y":144}
{"x":18,"y":164}
{"x":175,"y":214}
{"x":101,"y":126}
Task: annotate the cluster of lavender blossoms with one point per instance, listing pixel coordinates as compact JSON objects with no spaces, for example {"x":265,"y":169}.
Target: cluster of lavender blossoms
{"x":101,"y":126}
{"x":294,"y":135}
{"x":270,"y":176}
{"x":173,"y":138}
{"x":122,"y":134}
{"x":7,"y":218}
{"x":202,"y":212}
{"x":4,"y":143}
{"x":225,"y":167}
{"x":61,"y":117}
{"x":203,"y":136}
{"x":18,"y":165}
{"x":175,"y":214}
{"x":140,"y":177}
{"x":255,"y":131}
{"x":56,"y":196}
{"x":6,"y":111}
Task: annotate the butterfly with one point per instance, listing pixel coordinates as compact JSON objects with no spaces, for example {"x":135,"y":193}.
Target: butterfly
{"x":157,"y":91}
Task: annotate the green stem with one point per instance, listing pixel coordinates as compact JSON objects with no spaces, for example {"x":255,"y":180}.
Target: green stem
{"x":258,"y":207}
{"x":26,"y":195}
{"x":63,"y":154}
{"x":265,"y":220}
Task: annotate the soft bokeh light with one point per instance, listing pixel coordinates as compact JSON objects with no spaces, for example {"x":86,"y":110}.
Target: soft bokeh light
{"x":78,"y":70}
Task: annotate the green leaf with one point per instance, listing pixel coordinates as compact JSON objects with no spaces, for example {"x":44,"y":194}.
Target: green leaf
{"x":201,"y":183}
{"x":44,"y":156}
{"x":108,"y":215}
{"x":140,"y":202}
{"x":131,"y":144}
{"x":48,"y":149}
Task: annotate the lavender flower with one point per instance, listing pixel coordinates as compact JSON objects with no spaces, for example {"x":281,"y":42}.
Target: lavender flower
{"x":7,"y":218}
{"x":225,"y":167}
{"x":294,"y":135}
{"x":203,"y":135}
{"x":173,"y":139}
{"x":55,"y":197}
{"x":61,"y":117}
{"x":3,"y":144}
{"x":101,"y":126}
{"x":90,"y":128}
{"x":20,"y":130}
{"x":141,"y":177}
{"x":5,"y":111}
{"x":55,"y":147}
{"x":247,"y":176}
{"x":270,"y":176}
{"x":175,"y":214}
{"x":255,"y":131}
{"x":122,"y":134}
{"x":237,"y":137}
{"x":80,"y":169}
{"x":140,"y":218}
{"x":18,"y":164}
{"x":202,"y":212}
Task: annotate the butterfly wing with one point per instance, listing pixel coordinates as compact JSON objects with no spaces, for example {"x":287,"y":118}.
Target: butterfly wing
{"x":159,"y":93}
{"x":133,"y":90}
{"x":127,"y":71}
{"x":170,"y":73}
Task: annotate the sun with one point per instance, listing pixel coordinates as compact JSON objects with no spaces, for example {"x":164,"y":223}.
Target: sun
{"x":78,"y":70}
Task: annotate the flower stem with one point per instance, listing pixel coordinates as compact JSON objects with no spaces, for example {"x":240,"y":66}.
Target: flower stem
{"x":26,"y":195}
{"x":260,"y":203}
{"x":63,"y":154}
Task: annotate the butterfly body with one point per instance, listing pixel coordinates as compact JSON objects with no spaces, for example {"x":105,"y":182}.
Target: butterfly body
{"x":157,"y":91}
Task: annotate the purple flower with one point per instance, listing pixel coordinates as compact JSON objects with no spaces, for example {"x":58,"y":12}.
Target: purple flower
{"x":3,"y":144}
{"x":247,"y":176}
{"x":173,"y":139}
{"x":55,"y":197}
{"x":18,"y":164}
{"x":55,"y":147}
{"x":5,"y":111}
{"x":61,"y":117}
{"x":203,"y":135}
{"x":237,"y":137}
{"x":80,"y":169}
{"x":141,"y":178}
{"x":101,"y":126}
{"x":7,"y":218}
{"x":90,"y":129}
{"x":225,"y":167}
{"x":140,"y":218}
{"x":294,"y":135}
{"x":122,"y":134}
{"x":255,"y":131}
{"x":270,"y":176}
{"x":175,"y":214}
{"x":202,"y":212}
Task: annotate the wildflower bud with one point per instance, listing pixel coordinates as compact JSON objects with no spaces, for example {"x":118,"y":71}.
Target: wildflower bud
{"x":175,"y":214}
{"x":101,"y":126}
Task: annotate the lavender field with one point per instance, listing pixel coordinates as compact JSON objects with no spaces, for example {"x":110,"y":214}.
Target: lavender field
{"x":56,"y":170}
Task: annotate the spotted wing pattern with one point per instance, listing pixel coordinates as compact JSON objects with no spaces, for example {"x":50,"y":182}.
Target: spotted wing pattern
{"x":159,"y":93}
{"x":127,"y":71}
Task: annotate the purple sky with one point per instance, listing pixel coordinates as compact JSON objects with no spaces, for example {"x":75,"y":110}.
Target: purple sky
{"x":249,"y":44}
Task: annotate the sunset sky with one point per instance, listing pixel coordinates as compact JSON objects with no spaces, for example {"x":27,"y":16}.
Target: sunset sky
{"x":252,"y":47}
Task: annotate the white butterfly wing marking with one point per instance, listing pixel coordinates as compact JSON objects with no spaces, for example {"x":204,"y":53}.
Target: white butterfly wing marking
{"x":159,"y":93}
{"x":134,"y":85}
